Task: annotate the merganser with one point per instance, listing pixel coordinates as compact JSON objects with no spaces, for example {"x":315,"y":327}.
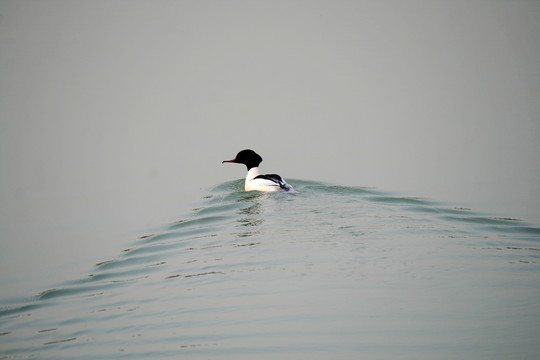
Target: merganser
{"x":254,"y":179}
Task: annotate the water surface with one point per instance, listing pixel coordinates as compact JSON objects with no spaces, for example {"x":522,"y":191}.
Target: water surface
{"x":331,"y":272}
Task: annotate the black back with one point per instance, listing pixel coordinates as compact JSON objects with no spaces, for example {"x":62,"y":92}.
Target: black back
{"x":273,"y":177}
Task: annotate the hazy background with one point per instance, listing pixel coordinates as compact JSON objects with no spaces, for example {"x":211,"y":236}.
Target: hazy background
{"x":115,"y":115}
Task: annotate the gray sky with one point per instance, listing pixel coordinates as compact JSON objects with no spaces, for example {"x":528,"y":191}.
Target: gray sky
{"x":115,"y":115}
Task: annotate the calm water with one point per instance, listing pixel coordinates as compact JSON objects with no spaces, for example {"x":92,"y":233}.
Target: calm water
{"x":331,"y":272}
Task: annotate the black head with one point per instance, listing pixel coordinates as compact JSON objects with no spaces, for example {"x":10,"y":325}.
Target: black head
{"x":247,"y":157}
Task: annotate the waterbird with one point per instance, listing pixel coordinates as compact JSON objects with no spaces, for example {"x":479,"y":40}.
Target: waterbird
{"x":254,"y":179}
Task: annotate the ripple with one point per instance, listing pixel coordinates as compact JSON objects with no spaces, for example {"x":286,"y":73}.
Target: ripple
{"x":76,"y":290}
{"x":310,"y":272}
{"x":400,"y":200}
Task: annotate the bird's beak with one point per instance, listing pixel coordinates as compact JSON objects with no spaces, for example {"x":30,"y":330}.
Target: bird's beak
{"x":231,"y":161}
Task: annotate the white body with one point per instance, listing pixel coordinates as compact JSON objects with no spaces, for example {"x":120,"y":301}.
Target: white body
{"x":263,"y":184}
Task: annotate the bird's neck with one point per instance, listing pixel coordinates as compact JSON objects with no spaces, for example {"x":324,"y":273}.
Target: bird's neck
{"x":253,"y":173}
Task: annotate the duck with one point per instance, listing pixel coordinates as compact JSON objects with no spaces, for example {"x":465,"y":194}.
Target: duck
{"x":255,"y":181}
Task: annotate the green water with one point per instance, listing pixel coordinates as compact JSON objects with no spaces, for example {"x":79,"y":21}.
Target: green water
{"x":331,"y":272}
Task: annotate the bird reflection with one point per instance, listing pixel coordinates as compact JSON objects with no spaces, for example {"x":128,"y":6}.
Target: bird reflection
{"x":251,"y":215}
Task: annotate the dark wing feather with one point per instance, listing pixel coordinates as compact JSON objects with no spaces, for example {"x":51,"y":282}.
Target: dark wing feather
{"x":274,"y":178}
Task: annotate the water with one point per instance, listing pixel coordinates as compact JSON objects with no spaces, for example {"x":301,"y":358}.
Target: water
{"x":332,"y":272}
